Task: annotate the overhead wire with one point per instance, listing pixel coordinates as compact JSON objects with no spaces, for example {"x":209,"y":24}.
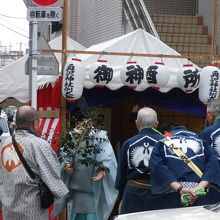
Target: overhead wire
{"x":13,"y":25}
{"x":11,"y":16}
{"x":13,"y":30}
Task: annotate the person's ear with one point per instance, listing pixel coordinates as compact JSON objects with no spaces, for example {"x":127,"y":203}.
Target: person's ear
{"x":211,"y":117}
{"x":156,"y":125}
{"x":36,"y":124}
{"x":137,"y":125}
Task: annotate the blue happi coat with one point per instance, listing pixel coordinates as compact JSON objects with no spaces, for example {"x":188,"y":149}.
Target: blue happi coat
{"x":133,"y":164}
{"x":211,"y":135}
{"x":166,"y":167}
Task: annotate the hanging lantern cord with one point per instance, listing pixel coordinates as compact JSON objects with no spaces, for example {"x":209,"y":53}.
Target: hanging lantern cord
{"x":130,"y":57}
{"x":74,"y":54}
{"x":100,"y":55}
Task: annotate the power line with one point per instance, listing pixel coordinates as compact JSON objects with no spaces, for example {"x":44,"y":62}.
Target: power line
{"x":13,"y":25}
{"x":13,"y":30}
{"x":11,"y":16}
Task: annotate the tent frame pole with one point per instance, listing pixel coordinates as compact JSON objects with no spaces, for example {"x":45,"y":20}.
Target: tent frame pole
{"x":134,"y":54}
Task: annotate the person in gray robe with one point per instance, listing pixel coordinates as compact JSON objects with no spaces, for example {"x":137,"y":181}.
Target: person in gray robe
{"x":19,"y":194}
{"x":92,"y":194}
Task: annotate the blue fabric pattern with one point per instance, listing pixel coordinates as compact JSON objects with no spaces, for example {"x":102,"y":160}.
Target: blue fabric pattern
{"x":133,"y":164}
{"x":166,"y":167}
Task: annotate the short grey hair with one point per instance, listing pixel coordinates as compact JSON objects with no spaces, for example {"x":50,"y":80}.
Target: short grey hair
{"x":214,"y":106}
{"x":147,"y":117}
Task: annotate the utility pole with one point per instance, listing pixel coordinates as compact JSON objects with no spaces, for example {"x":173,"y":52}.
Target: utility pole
{"x":33,"y":63}
{"x":33,"y":35}
{"x":20,"y":49}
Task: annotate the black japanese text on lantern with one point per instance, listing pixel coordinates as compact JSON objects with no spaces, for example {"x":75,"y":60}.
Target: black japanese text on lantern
{"x":213,"y":86}
{"x":192,"y":77}
{"x":103,"y":73}
{"x":69,"y":79}
{"x":135,"y":73}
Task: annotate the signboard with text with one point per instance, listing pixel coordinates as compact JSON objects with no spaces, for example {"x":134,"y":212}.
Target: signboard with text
{"x":44,"y":14}
{"x":47,"y":63}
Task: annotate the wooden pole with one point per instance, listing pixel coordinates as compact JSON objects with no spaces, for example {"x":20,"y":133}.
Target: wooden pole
{"x":214,"y":28}
{"x":63,"y":110}
{"x":64,"y":33}
{"x":64,"y":59}
{"x":133,"y":54}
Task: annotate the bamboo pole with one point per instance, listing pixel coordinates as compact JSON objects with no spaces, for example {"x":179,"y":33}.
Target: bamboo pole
{"x":63,"y":110}
{"x":133,"y":54}
{"x":64,"y":33}
{"x":214,"y":28}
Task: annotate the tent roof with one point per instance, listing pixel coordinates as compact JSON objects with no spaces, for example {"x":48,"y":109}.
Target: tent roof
{"x":14,"y":83}
{"x":138,"y":41}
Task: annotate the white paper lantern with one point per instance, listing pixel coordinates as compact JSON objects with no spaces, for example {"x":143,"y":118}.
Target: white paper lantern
{"x":73,"y":79}
{"x":132,"y":74}
{"x":188,"y":78}
{"x":209,"y":83}
{"x":157,"y":75}
{"x":101,"y":73}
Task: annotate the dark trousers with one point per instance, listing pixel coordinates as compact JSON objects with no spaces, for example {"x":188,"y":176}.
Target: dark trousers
{"x":139,"y":199}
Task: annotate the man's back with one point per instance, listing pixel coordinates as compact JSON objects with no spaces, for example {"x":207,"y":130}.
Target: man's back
{"x":172,"y":167}
{"x":133,"y":166}
{"x":137,"y":151}
{"x":211,"y":135}
{"x":18,"y":192}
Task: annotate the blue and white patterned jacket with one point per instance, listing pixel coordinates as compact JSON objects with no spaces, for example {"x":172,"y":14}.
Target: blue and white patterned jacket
{"x":134,"y":157}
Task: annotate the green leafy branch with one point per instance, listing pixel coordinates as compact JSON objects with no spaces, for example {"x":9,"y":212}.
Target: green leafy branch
{"x":80,"y":142}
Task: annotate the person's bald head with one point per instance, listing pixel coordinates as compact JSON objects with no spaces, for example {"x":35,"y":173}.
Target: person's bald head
{"x":25,"y":116}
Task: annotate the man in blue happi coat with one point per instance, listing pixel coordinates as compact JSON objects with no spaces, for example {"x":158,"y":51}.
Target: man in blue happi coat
{"x":133,"y":175}
{"x":171,"y":176}
{"x":211,"y":134}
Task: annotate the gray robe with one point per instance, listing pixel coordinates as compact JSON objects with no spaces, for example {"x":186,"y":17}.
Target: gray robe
{"x":18,"y":192}
{"x":90,"y":196}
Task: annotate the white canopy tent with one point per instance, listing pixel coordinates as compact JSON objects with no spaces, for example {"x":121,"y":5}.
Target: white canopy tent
{"x":15,"y":84}
{"x":138,"y":41}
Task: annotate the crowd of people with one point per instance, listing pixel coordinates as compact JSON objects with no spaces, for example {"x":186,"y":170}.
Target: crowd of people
{"x":153,"y":170}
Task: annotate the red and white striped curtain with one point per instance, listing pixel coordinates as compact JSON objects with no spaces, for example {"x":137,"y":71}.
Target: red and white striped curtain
{"x":49,"y":98}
